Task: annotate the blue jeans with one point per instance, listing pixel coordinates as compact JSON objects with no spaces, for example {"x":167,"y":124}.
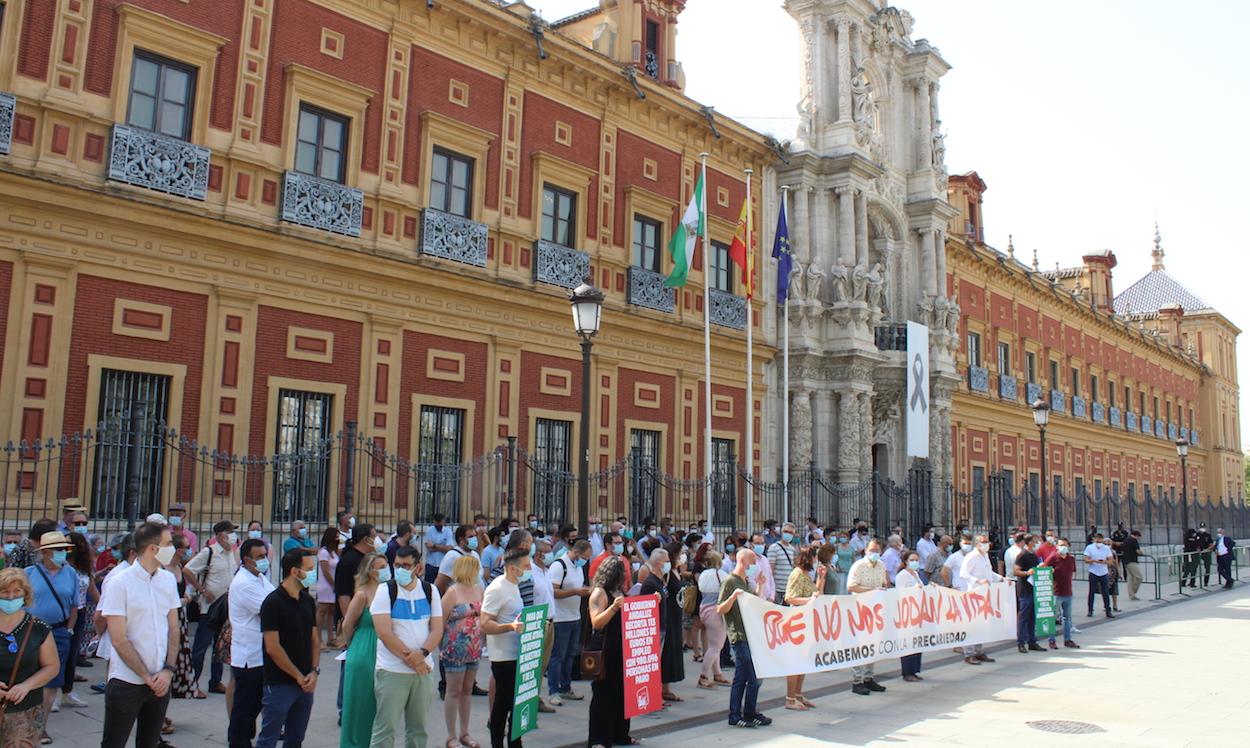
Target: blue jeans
{"x":566,"y":641}
{"x":1065,"y":605}
{"x":201,"y":644}
{"x":1099,"y":585}
{"x":284,"y":713}
{"x":1026,"y":619}
{"x":249,"y":690}
{"x":745,"y":690}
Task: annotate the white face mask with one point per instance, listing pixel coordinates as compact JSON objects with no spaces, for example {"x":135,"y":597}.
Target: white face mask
{"x":233,"y":539}
{"x":984,"y":547}
{"x":164,"y":555}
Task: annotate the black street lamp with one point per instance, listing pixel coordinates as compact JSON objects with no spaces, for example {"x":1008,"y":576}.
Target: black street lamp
{"x":587,"y":304}
{"x":1041,"y":416}
{"x":1182,"y":450}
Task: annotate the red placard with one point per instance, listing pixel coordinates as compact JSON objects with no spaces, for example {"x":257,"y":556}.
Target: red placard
{"x":640,"y":644}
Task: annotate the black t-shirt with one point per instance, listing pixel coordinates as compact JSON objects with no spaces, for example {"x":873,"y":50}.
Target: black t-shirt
{"x":1119,"y":536}
{"x":345,"y":572}
{"x":1191,"y":541}
{"x":1025,"y":561}
{"x":30,"y":659}
{"x":1130,"y":550}
{"x":294,"y":620}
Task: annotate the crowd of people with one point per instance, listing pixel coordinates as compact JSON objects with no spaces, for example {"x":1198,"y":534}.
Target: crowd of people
{"x":423,"y":610}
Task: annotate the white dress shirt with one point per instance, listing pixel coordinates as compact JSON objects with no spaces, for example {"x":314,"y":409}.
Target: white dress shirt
{"x":596,"y":544}
{"x":893,"y":561}
{"x":247,"y":592}
{"x":976,"y":567}
{"x":924,"y":548}
{"x":955,"y":562}
{"x":144,"y":600}
{"x":907,"y":578}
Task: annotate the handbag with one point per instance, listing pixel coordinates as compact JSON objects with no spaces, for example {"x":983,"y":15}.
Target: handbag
{"x":591,"y":659}
{"x":30,"y":622}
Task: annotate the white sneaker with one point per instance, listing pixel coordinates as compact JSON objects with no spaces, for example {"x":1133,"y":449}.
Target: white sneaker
{"x":1075,"y":630}
{"x":56,"y":703}
{"x":72,"y":700}
{"x":555,"y":700}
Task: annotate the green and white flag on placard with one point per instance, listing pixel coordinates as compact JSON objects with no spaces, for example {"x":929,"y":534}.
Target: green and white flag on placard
{"x":681,"y":247}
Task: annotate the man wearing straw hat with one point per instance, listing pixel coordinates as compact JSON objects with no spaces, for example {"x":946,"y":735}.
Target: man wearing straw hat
{"x":69,"y":507}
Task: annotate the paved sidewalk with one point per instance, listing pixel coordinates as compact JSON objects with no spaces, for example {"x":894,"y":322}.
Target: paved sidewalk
{"x":203,"y":723}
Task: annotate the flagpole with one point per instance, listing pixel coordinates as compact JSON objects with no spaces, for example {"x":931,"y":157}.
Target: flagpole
{"x":707,"y":353}
{"x":750,"y":399}
{"x":785,"y":388}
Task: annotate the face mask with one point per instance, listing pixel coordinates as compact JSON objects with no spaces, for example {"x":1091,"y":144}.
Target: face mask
{"x":913,"y":564}
{"x":965,"y":547}
{"x":627,"y":534}
{"x":759,"y":550}
{"x":232,"y":539}
{"x":548,"y":558}
{"x":985,"y":547}
{"x":618,"y":548}
{"x":378,"y":545}
{"x":579,"y":563}
{"x":80,"y":529}
{"x":472,"y":543}
{"x":844,"y":541}
{"x":787,"y":537}
{"x":729,"y":548}
{"x":9,"y":607}
{"x":753,"y":571}
{"x":667,"y":567}
{"x":302,"y":532}
{"x":116,"y":554}
{"x":309,"y":579}
{"x":526,"y":576}
{"x":186,"y":553}
{"x":164,"y":555}
{"x":351,"y":521}
{"x":403,"y":577}
{"x":1063,"y":550}
{"x":58,"y":557}
{"x":254,"y":534}
{"x":594,"y":527}
{"x":175,"y":521}
{"x":635,"y":566}
{"x":262,"y":566}
{"x":533,"y":524}
{"x":384,"y":575}
{"x":873,"y":556}
{"x":10,"y":547}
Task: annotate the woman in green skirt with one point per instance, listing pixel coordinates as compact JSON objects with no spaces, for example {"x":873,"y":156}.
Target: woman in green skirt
{"x":357,"y":635}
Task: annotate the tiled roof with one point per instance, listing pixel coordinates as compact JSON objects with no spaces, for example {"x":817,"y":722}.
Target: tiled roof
{"x":576,"y":17}
{"x":1155,"y":290}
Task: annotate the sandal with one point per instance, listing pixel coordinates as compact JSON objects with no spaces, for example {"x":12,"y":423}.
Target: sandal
{"x":199,"y":694}
{"x":722,"y":681}
{"x":806,"y":702}
{"x":469,"y":742}
{"x":705,"y":683}
{"x":672,"y":697}
{"x":795,"y":705}
{"x":452,"y":743}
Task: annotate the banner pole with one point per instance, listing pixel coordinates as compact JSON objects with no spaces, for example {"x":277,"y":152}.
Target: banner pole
{"x":785,"y":386}
{"x":707,"y":353}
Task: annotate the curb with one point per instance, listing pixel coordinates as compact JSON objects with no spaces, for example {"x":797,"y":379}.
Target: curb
{"x":718,"y":717}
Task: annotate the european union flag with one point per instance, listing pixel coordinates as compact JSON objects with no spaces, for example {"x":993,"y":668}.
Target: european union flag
{"x":781,"y":253}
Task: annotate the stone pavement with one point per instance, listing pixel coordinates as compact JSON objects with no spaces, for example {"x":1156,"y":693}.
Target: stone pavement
{"x":1124,"y":680}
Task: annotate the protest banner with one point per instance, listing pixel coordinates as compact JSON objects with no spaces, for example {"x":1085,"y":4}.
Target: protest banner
{"x":529,"y":670}
{"x":1044,"y":601}
{"x":841,"y":631}
{"x":641,"y":645}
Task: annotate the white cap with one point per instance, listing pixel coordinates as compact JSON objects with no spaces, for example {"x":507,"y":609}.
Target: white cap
{"x":158,"y":518}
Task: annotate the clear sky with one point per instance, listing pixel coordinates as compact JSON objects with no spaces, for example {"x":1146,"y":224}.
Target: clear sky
{"x":1089,"y":121}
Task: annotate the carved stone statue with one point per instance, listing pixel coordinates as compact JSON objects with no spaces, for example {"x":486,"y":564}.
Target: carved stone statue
{"x":861,"y":97}
{"x":838,"y":280}
{"x":939,"y":146}
{"x":876,"y":286}
{"x":859,"y":283}
{"x":815,"y":280}
{"x":797,"y":286}
{"x":952,"y":318}
{"x":801,"y":429}
{"x":939,"y":313}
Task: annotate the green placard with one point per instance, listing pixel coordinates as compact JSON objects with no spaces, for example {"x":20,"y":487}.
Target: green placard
{"x":529,"y":670}
{"x":1044,"y":601}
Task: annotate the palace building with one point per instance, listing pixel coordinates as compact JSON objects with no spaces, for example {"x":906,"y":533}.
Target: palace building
{"x":1125,"y":374}
{"x":269,"y":222}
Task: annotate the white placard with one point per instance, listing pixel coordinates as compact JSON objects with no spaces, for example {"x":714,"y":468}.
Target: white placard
{"x":917,"y":390}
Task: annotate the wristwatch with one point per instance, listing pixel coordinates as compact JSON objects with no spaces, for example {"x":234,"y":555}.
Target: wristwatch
{"x":425,"y":652}
{"x":317,"y":670}
{"x":168,"y":667}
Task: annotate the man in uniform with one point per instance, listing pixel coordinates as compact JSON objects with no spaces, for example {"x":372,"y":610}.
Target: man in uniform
{"x":1206,"y":544}
{"x":1189,"y":562}
{"x":1118,"y":536}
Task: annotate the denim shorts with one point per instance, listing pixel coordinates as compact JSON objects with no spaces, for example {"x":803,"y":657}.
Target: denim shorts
{"x":458,"y":668}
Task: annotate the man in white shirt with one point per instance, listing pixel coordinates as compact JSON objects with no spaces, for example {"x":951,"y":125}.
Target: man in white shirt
{"x":925,"y":545}
{"x":409,"y":630}
{"x":248,"y":591}
{"x":781,"y":557}
{"x":568,"y":587}
{"x":141,"y":608}
{"x":209,"y":573}
{"x":595,"y":527}
{"x":544,"y":555}
{"x":500,"y":621}
{"x":859,"y":540}
{"x":1009,"y":555}
{"x":893,"y":556}
{"x":976,"y":570}
{"x":1096,"y":555}
{"x":439,"y":538}
{"x":465,"y":545}
{"x":954,"y":562}
{"x":344,"y":522}
{"x":866,"y":575}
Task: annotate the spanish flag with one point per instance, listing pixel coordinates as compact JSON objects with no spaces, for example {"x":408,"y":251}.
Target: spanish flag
{"x":744,"y":259}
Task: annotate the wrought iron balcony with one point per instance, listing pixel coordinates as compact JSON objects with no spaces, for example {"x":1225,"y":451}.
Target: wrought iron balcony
{"x":1032,"y":393}
{"x":1113,"y":417}
{"x":1057,"y":404}
{"x":1078,"y":407}
{"x":646,"y":289}
{"x":321,"y":204}
{"x":1008,"y":387}
{"x":978,"y":379}
{"x":891,"y":337}
{"x":8,"y":107}
{"x":158,"y":162}
{"x":1098,"y":412}
{"x":1160,"y":429}
{"x":1172,"y":431}
{"x":727,"y":310}
{"x":453,"y":238}
{"x":1130,"y":421}
{"x":1146,"y":425}
{"x":559,"y":265}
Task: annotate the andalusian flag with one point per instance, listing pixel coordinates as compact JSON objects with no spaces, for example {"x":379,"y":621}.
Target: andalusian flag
{"x":741,"y":256}
{"x":688,"y":232}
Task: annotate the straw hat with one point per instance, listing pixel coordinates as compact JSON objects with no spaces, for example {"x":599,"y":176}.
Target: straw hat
{"x":52,"y":541}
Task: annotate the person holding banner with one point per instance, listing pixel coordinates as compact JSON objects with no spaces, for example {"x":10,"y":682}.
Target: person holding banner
{"x":1024,"y":570}
{"x":910,"y":576}
{"x":500,"y":621}
{"x":801,"y":589}
{"x":976,"y":569}
{"x":867,"y":575}
{"x":744,"y":693}
{"x":608,"y":726}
